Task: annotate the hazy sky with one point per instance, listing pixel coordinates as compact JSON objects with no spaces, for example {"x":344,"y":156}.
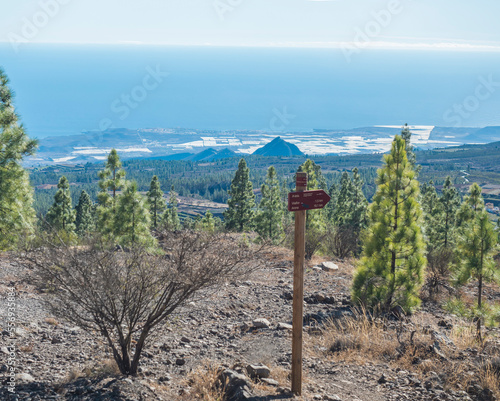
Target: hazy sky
{"x":387,"y":23}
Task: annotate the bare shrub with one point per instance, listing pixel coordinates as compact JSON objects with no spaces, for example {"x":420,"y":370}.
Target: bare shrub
{"x":342,"y":242}
{"x":125,"y":296}
{"x":437,"y":273}
{"x":314,"y":241}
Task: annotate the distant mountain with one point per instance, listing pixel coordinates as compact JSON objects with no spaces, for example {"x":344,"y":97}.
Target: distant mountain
{"x":175,"y":156}
{"x":211,"y":154}
{"x":223,"y":154}
{"x":206,"y":154}
{"x":278,"y":147}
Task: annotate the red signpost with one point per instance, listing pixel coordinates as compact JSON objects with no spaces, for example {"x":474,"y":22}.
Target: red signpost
{"x":307,"y":200}
{"x":299,"y":202}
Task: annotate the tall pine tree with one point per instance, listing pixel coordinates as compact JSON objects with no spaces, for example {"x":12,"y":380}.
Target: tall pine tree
{"x":131,"y":220}
{"x":240,"y":214}
{"x":391,"y":270}
{"x":269,"y":218}
{"x":85,"y":222}
{"x":61,"y":215}
{"x":111,"y":180}
{"x":476,"y":248}
{"x":156,"y":202}
{"x":171,"y":221}
{"x":450,"y":201}
{"x":17,"y":217}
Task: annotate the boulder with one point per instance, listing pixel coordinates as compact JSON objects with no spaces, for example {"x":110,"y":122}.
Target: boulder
{"x":329,"y":266}
{"x":261,"y":323}
{"x":258,"y":371}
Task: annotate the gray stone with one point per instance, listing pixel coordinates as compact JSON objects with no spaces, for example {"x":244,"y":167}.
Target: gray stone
{"x":329,"y":266}
{"x":270,"y":382}
{"x":25,"y":377}
{"x":258,"y":371}
{"x":284,"y":326}
{"x":261,"y":323}
{"x":237,"y":386}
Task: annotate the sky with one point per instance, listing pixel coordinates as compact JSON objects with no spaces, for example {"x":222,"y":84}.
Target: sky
{"x":442,"y":24}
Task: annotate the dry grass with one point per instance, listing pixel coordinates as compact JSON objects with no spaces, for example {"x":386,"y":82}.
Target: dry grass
{"x":105,"y":368}
{"x":27,"y":348}
{"x":360,"y":339}
{"x":51,"y":320}
{"x":203,"y":383}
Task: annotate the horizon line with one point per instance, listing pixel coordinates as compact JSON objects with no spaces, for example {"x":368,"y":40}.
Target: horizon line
{"x":345,"y":46}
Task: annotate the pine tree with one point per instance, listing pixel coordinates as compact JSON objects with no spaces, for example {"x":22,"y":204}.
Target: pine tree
{"x":17,"y":217}
{"x":287,"y":216}
{"x":410,"y":154}
{"x":84,"y":215}
{"x":331,"y":207}
{"x":359,"y":206}
{"x":240,"y":214}
{"x":156,"y":202}
{"x":111,"y":180}
{"x":391,"y":270}
{"x":343,"y":208}
{"x":477,"y":246}
{"x":315,"y":179}
{"x":131,"y":220}
{"x":433,"y":215}
{"x":269,"y":218}
{"x":61,"y":215}
{"x":450,"y":201}
{"x":208,"y":222}
{"x":315,"y":219}
{"x":171,"y":221}
{"x":473,"y":203}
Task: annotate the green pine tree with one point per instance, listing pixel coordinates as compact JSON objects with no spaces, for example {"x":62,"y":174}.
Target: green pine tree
{"x":476,"y":247}
{"x":171,"y":221}
{"x":343,"y":207}
{"x":208,"y":222}
{"x":391,"y":270}
{"x":240,"y":214}
{"x":131,"y":220}
{"x":287,"y":216}
{"x":17,"y":217}
{"x":61,"y":215}
{"x":410,"y":154}
{"x":269,"y":218}
{"x":111,"y":180}
{"x":450,"y":201}
{"x":315,"y":219}
{"x":331,"y":207}
{"x":433,"y":215}
{"x":156,"y":202}
{"x":473,"y":203}
{"x":84,"y":215}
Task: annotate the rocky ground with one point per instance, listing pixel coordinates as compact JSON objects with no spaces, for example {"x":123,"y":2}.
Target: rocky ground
{"x":232,"y":333}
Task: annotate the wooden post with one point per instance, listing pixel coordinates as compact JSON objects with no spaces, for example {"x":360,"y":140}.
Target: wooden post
{"x":298,"y":289}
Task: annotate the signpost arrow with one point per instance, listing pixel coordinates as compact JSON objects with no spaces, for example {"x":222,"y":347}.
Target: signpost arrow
{"x":307,"y":200}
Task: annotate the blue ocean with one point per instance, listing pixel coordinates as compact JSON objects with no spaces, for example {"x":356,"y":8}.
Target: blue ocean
{"x":67,"y":89}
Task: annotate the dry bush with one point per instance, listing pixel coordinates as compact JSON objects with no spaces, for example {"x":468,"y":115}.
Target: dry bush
{"x":204,"y":385}
{"x":126,"y":296}
{"x":359,"y":338}
{"x":342,"y":242}
{"x":438,"y":273}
